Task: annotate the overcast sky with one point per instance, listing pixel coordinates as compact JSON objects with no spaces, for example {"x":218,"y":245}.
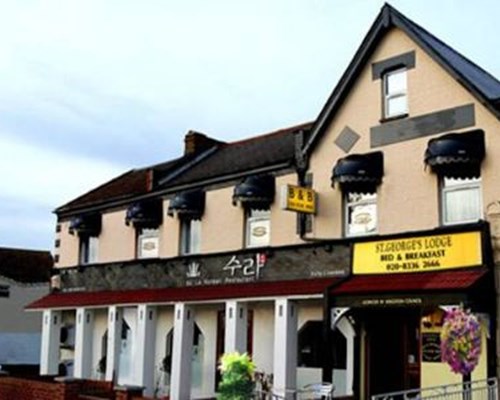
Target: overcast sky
{"x":89,"y":89}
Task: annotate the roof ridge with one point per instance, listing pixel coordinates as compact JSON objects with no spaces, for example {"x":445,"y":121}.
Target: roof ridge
{"x":411,"y":25}
{"x":479,"y":82}
{"x":2,"y":248}
{"x":98,"y":187}
{"x":264,"y":136}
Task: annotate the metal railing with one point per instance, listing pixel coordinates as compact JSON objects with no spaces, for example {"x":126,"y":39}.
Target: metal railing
{"x":309,"y":392}
{"x":476,"y":390}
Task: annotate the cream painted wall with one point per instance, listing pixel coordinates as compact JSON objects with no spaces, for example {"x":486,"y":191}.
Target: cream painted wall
{"x":222,"y":223}
{"x":68,"y":248}
{"x":407,"y":185}
{"x":117,"y":240}
{"x":263,"y":336}
{"x":169,"y":234}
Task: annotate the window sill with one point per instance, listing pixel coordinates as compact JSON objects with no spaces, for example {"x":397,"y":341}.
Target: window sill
{"x":394,"y":118}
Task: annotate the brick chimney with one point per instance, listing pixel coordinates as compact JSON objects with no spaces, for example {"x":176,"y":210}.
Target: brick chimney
{"x":197,"y":142}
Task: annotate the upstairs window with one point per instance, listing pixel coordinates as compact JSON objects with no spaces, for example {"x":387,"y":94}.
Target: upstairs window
{"x":190,"y":236}
{"x":148,"y":241}
{"x":456,"y":158}
{"x":395,"y":93}
{"x":461,"y":200}
{"x":258,"y":228}
{"x":89,"y":246}
{"x":360,"y":213}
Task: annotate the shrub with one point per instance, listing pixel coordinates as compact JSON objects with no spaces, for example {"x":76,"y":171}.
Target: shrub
{"x":237,"y":377}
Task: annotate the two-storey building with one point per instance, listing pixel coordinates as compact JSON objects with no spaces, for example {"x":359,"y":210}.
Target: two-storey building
{"x":163,"y":269}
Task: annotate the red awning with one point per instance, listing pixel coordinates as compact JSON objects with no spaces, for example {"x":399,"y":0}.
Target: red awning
{"x":410,"y":282}
{"x":192,"y":293}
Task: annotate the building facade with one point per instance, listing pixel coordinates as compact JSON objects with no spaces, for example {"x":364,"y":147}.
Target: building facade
{"x":163,"y":269}
{"x":24,"y":277}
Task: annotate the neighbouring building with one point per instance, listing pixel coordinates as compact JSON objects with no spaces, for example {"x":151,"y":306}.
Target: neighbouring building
{"x":24,"y":277}
{"x":163,"y":269}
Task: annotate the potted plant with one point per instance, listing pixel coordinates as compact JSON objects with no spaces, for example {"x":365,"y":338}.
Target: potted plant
{"x":237,"y":377}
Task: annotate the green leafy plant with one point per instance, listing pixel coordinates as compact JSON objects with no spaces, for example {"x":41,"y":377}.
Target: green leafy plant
{"x":237,"y":377}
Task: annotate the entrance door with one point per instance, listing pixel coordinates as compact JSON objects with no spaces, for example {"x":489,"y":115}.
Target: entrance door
{"x":392,"y":351}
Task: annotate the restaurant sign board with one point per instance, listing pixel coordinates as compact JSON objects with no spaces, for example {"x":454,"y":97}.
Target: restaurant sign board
{"x":418,"y":254}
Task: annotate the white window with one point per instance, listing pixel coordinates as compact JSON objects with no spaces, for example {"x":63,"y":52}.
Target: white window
{"x":258,"y":228}
{"x":190,"y":236}
{"x":395,"y":93}
{"x":461,"y":200}
{"x":147,"y":243}
{"x":360,"y":213}
{"x":89,"y":246}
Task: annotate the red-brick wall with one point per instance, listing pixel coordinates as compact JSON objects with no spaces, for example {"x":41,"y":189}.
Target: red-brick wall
{"x":44,"y":389}
{"x":21,"y":389}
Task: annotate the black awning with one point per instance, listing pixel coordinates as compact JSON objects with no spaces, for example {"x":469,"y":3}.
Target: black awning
{"x":145,"y":214}
{"x":359,"y":173}
{"x":255,"y":192}
{"x":456,"y":155}
{"x":189,"y":204}
{"x":86,"y":224}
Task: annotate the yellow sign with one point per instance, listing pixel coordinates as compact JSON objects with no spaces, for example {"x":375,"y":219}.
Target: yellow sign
{"x":418,"y":254}
{"x":300,"y":199}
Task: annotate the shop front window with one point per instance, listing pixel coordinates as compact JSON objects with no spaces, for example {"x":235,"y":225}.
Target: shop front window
{"x":311,"y":349}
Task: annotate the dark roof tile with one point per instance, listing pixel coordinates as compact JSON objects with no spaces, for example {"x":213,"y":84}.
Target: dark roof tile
{"x":245,"y":155}
{"x":25,"y":266}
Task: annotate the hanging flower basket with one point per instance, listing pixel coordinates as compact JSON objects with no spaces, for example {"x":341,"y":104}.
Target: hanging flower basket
{"x":461,"y":340}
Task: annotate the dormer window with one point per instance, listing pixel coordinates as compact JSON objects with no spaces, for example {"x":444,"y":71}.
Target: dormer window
{"x":395,"y":93}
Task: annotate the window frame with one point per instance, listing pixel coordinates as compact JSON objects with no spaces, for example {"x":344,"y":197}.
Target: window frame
{"x":249,"y":219}
{"x":387,"y":97}
{"x":146,"y":233}
{"x":88,"y":249}
{"x":347,"y":204}
{"x":187,"y":244}
{"x":468,"y":184}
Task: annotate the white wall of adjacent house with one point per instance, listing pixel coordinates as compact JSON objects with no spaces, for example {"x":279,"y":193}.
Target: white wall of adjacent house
{"x":20,"y":334}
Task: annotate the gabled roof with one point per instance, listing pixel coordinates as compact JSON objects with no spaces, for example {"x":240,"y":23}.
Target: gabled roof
{"x":222,"y":161}
{"x":25,"y":266}
{"x":480,"y":83}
